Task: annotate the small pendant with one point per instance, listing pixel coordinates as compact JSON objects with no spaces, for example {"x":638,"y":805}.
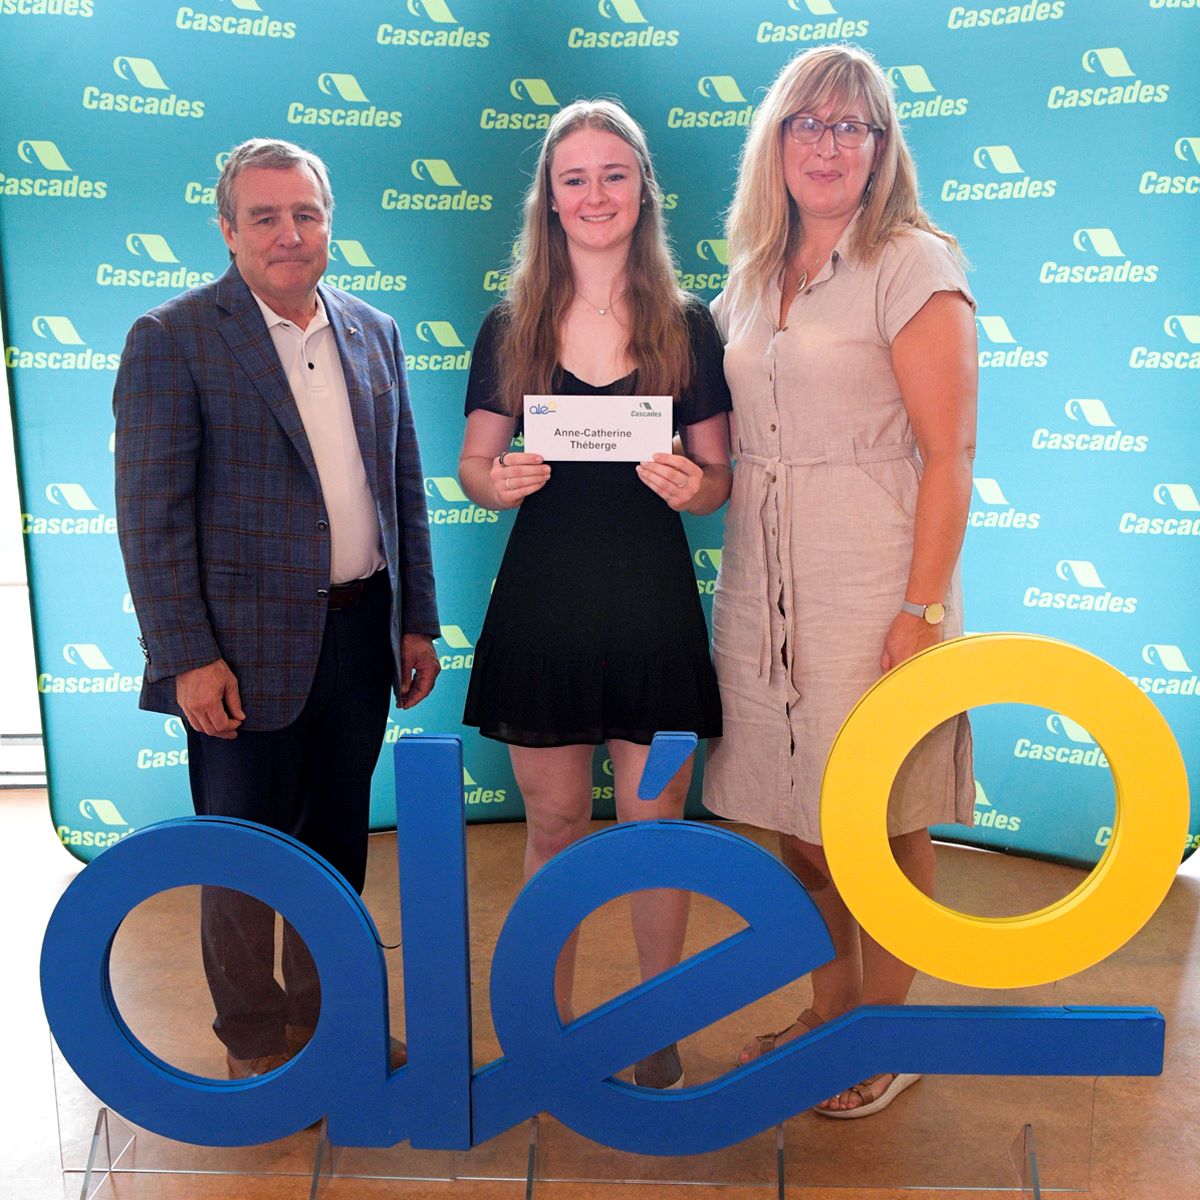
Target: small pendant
{"x":800,"y":283}
{"x":602,"y":311}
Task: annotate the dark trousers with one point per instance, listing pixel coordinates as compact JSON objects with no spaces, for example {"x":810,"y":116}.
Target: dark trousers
{"x":311,"y":779}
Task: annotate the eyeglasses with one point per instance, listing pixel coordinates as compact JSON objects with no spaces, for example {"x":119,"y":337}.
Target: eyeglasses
{"x":807,"y":130}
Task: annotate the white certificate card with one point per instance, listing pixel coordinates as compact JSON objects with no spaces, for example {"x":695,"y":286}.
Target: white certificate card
{"x":612,"y":428}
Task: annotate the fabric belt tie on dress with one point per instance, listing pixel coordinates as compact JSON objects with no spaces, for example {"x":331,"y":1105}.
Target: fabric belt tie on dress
{"x":772,"y":479}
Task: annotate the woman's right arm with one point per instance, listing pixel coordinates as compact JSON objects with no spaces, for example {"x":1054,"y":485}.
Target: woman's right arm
{"x":484,"y":479}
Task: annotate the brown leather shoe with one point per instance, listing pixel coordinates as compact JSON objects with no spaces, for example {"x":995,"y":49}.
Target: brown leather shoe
{"x":298,"y":1036}
{"x":247,"y":1068}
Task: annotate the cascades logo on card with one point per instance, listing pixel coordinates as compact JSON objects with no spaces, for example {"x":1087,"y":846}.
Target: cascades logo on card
{"x":999,"y":15}
{"x":1173,"y":676}
{"x":104,"y":677}
{"x":928,"y":102}
{"x":1007,"y":352}
{"x":60,"y":181}
{"x":1103,"y":244}
{"x":1093,"y":413}
{"x":732,"y":110}
{"x":475,"y":793}
{"x":449,"y":504}
{"x":447,"y":31}
{"x":261,"y":25}
{"x":828,"y":25}
{"x":456,"y":356}
{"x":1089,"y":594}
{"x":1183,"y":326}
{"x":113,"y":826}
{"x":150,"y":759}
{"x":638,"y":33}
{"x":77,"y":355}
{"x":535,"y":92}
{"x":988,"y":816}
{"x":1109,"y":61}
{"x":712,"y":253}
{"x":1154,"y":183}
{"x":1080,"y":749}
{"x":999,"y":514}
{"x":449,"y":196}
{"x":346,"y":88}
{"x":1002,"y":161}
{"x":708,"y":565}
{"x":74,"y":498}
{"x":461,"y":649}
{"x":1182,"y":518}
{"x":143,"y":73}
{"x":358,"y":273}
{"x":169,"y":273}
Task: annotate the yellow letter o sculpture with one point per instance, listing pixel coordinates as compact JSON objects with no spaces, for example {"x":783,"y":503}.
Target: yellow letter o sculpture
{"x":1112,"y":903}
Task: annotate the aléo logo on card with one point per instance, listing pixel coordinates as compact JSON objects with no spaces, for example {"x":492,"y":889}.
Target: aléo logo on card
{"x":448,"y":504}
{"x":913,"y":80}
{"x":1111,"y":62}
{"x":708,"y":567}
{"x":452,"y":355}
{"x":357,"y":272}
{"x":534,"y":91}
{"x":1177,"y":325}
{"x":461,"y":654}
{"x":998,"y":513}
{"x":1105,"y":436}
{"x":1174,"y":678}
{"x":450,"y":196}
{"x":639,"y":33}
{"x":1007,"y":352}
{"x":102,"y":812}
{"x":1089,"y":594}
{"x":60,"y":182}
{"x":103,"y":677}
{"x":74,"y":353}
{"x":149,"y":102}
{"x":1016,"y":184}
{"x":167,"y":271}
{"x":447,"y":31}
{"x":829,"y":27}
{"x":1000,"y":15}
{"x":346,"y":88}
{"x":713,"y":253}
{"x":1102,"y":243}
{"x":262,"y":25}
{"x":84,"y":517}
{"x":1081,"y":749}
{"x":150,"y":759}
{"x":1177,"y":498}
{"x":733,"y":111}
{"x":1152,"y":183}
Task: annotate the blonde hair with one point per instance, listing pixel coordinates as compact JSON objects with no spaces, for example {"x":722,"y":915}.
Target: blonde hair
{"x":764,"y":225}
{"x":541,"y":284}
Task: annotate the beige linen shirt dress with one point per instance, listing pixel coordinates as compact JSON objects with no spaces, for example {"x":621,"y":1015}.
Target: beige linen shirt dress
{"x":818,"y":541}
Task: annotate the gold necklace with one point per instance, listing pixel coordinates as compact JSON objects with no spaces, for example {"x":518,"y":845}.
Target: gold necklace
{"x":602,"y":311}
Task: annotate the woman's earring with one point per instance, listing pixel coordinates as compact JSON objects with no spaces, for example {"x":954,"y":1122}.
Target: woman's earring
{"x":866,"y":196}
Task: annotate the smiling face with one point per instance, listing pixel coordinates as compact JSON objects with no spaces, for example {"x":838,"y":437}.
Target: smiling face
{"x":280,"y":236}
{"x":824,"y":179}
{"x":596,"y":189}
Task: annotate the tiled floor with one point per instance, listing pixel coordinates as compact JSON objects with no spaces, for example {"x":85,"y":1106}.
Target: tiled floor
{"x":1115,"y":1139}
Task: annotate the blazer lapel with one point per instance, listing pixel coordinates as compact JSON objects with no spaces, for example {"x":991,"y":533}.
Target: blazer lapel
{"x":352,"y":349}
{"x":245,"y":333}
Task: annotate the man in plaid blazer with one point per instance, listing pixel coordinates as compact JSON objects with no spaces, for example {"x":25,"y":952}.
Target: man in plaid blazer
{"x":272,"y":518}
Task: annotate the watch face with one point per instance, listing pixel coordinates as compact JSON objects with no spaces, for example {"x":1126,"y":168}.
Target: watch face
{"x":934,"y":613}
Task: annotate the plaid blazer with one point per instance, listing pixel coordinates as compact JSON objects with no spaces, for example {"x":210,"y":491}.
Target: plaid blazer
{"x":220,"y":515}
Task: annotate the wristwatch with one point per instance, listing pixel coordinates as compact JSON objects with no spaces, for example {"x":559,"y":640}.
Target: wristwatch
{"x":931,"y":614}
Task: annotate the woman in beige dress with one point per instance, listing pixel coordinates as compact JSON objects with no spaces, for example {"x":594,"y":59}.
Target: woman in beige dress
{"x":851,"y":358}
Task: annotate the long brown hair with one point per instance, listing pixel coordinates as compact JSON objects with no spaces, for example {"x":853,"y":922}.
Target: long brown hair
{"x":541,"y":284}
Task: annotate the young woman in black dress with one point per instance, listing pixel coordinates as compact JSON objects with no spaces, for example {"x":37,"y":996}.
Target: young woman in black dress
{"x":594,"y":632}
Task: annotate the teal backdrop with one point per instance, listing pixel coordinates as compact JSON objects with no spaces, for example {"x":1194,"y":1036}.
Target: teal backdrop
{"x":1058,"y":139}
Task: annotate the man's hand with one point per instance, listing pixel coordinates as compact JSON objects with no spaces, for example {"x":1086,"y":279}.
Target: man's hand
{"x":419,"y":668}
{"x":209,"y":699}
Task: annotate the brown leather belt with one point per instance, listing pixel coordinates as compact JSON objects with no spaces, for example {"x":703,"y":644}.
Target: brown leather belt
{"x":347,"y":595}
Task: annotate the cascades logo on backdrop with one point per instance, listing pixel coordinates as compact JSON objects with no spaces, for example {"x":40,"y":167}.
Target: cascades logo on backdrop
{"x":47,"y":8}
{"x":74,"y":497}
{"x":359,"y":273}
{"x":168,"y":273}
{"x":449,"y":196}
{"x":536,"y":92}
{"x":1152,"y":183}
{"x":1102,"y":243}
{"x":107,"y":825}
{"x":456,"y":356}
{"x":1185,"y":328}
{"x":149,"y":101}
{"x":446,"y":30}
{"x":73,"y":354}
{"x":1002,"y":161}
{"x":461,"y":649}
{"x":713,"y":275}
{"x":477,"y":795}
{"x":59,"y":182}
{"x":732,"y":109}
{"x":708,"y":565}
{"x":999,"y":514}
{"x":824,"y":23}
{"x":347,"y":89}
{"x":102,"y":677}
{"x":1173,"y":677}
{"x":1008,"y":352}
{"x":929,"y":102}
{"x":988,"y":816}
{"x":1004,"y":15}
{"x":449,"y":504}
{"x":637,"y":32}
{"x":1089,"y":595}
{"x":1073,"y":746}
{"x":1093,"y":413}
{"x":1180,"y":500}
{"x":1110,"y":61}
{"x":150,"y":758}
{"x":261,"y":25}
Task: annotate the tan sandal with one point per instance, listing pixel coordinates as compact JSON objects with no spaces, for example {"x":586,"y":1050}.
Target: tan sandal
{"x":867,"y":1106}
{"x":764,"y":1043}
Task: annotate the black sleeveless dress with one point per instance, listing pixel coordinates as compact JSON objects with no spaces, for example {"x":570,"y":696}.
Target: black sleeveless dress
{"x":594,"y":629}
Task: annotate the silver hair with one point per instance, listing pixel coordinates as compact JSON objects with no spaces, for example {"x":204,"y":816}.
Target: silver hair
{"x":273,"y":154}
